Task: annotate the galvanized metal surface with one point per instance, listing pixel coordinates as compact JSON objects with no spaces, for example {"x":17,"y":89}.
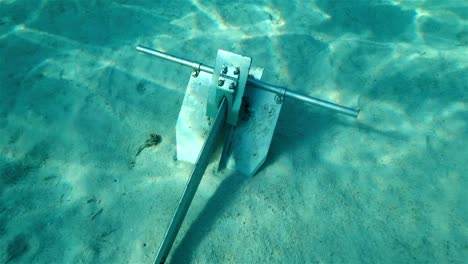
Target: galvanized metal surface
{"x":192,"y":124}
{"x":251,"y":138}
{"x":228,"y":81}
{"x":246,"y":149}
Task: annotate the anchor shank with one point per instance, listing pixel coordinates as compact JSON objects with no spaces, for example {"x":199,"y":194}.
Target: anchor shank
{"x":192,"y":185}
{"x":280,"y":91}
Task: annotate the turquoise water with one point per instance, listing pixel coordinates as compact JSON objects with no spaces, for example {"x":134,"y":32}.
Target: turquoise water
{"x":77,"y":102}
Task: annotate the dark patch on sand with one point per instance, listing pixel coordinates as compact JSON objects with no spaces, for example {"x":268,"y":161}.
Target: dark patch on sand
{"x":14,"y":172}
{"x":17,"y":248}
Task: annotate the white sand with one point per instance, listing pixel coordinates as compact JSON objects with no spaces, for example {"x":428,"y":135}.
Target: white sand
{"x":77,"y":100}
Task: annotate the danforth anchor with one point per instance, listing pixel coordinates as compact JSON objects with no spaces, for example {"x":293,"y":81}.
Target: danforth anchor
{"x":234,"y":100}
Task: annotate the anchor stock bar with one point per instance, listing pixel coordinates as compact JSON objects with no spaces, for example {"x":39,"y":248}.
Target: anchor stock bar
{"x":280,"y":91}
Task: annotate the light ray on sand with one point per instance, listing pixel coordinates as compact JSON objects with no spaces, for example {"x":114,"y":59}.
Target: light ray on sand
{"x":96,"y":58}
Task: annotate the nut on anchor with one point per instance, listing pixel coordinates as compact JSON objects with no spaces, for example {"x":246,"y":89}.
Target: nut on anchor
{"x":279,"y":98}
{"x":220,"y":82}
{"x":224,"y":69}
{"x":196,"y":71}
{"x":233,"y":85}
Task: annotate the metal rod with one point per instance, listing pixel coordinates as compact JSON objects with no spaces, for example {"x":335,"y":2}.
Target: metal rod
{"x":192,"y":64}
{"x":284,"y":92}
{"x":280,"y":91}
{"x":192,"y":185}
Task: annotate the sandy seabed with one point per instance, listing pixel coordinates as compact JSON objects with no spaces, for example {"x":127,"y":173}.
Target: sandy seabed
{"x":77,"y":101}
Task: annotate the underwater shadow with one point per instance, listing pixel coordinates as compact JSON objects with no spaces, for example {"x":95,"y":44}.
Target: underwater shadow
{"x":308,"y":125}
{"x":199,"y":228}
